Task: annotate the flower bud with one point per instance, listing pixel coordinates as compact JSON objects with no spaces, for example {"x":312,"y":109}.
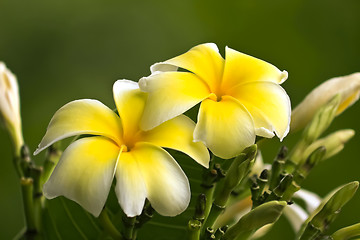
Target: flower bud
{"x":10,"y":106}
{"x":347,"y":86}
{"x":333,"y":143}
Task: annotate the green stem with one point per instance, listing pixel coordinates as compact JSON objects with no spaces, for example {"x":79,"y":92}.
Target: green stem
{"x":27,"y":189}
{"x":52,"y":157}
{"x":17,"y":166}
{"x":209,"y":193}
{"x":216,"y":210}
{"x":108,"y":226}
{"x":36,"y":173}
{"x":129,"y":224}
{"x":194,"y":227}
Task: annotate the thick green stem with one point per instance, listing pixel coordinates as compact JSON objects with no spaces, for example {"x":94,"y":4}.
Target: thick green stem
{"x":108,"y":226}
{"x":129,"y":224}
{"x":194,"y":227}
{"x":27,"y":189}
{"x":36,"y":173}
{"x":216,"y":210}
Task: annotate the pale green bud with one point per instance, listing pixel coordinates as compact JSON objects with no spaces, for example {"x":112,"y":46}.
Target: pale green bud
{"x":10,"y":106}
{"x":347,"y":86}
{"x":333,"y":143}
{"x":322,"y":120}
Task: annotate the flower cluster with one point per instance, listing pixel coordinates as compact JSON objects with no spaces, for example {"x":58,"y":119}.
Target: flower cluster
{"x":240,"y":98}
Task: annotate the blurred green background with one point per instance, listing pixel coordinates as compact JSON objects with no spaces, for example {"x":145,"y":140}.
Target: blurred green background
{"x":67,"y":50}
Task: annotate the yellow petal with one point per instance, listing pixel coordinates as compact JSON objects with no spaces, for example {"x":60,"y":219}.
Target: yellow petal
{"x":130,"y":185}
{"x":269,"y":106}
{"x":177,"y":134}
{"x":167,"y":187}
{"x":225,"y":127}
{"x":203,"y":60}
{"x":82,"y":117}
{"x":130,"y":103}
{"x":170,"y":94}
{"x":241,"y":68}
{"x":84,"y":173}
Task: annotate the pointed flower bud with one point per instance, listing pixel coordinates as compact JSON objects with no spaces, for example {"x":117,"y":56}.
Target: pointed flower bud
{"x":333,"y":143}
{"x":10,"y":106}
{"x":347,"y":86}
{"x":322,"y":120}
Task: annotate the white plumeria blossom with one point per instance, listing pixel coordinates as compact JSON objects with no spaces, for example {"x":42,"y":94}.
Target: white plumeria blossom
{"x":10,"y":105}
{"x":143,"y":169}
{"x":347,"y":86}
{"x":240,"y":97}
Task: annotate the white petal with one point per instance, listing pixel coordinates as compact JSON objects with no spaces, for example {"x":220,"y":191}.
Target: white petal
{"x":241,"y":68}
{"x":268,"y":104}
{"x":130,"y":103}
{"x":82,"y":117}
{"x":225,"y":127}
{"x":203,"y":60}
{"x":349,"y":88}
{"x":130,"y":187}
{"x":168,"y":188}
{"x":311,"y":199}
{"x":177,"y":134}
{"x":84,"y":173}
{"x":170,"y":94}
{"x":296,"y":216}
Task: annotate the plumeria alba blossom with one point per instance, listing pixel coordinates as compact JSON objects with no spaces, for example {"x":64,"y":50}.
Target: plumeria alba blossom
{"x":10,"y":106}
{"x":240,"y":97}
{"x":118,"y":147}
{"x":347,"y":86}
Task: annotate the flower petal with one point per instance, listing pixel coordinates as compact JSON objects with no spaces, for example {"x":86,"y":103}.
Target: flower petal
{"x":241,"y":68}
{"x":203,"y":60}
{"x":84,"y":173}
{"x":347,"y":86}
{"x":296,"y":216}
{"x":82,"y":117}
{"x":167,"y":186}
{"x":312,"y":200}
{"x":268,"y":104}
{"x":177,"y":134}
{"x":225,"y":127}
{"x":130,"y":103}
{"x":130,"y":185}
{"x":170,"y":94}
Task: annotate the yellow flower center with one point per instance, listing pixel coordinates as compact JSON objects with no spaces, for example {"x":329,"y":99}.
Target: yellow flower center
{"x":215,"y":97}
{"x":130,"y":141}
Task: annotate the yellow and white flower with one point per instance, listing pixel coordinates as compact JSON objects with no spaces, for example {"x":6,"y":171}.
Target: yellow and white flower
{"x":118,"y":147}
{"x":240,"y":97}
{"x":347,"y":86}
{"x":10,"y":106}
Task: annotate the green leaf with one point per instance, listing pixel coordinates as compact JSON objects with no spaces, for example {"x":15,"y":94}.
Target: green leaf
{"x":65,"y":219}
{"x":328,"y":210}
{"x":258,"y":217}
{"x":347,"y":232}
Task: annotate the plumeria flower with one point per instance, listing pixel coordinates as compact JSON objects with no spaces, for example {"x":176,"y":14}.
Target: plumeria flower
{"x":240,"y":97}
{"x":118,"y":147}
{"x":347,"y":86}
{"x":10,"y":106}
